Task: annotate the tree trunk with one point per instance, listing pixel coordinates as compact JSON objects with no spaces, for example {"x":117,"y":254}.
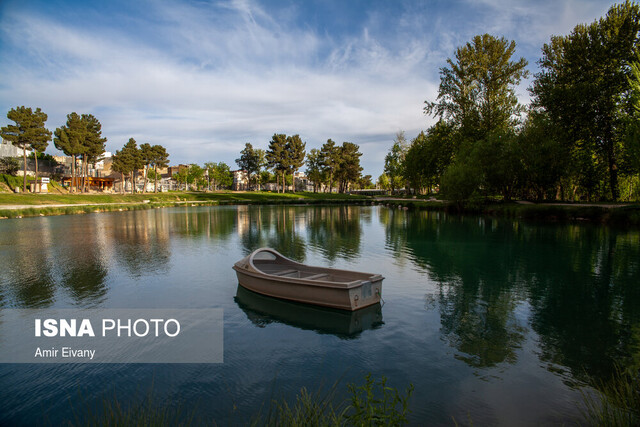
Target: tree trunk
{"x":613,"y":175}
{"x":146,"y":175}
{"x":122,"y":189}
{"x":73,"y":173}
{"x":133,"y":183}
{"x":155,"y":174}
{"x":35,"y":156}
{"x":24,"y":169}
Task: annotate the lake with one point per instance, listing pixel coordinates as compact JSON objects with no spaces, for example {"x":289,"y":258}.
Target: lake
{"x":500,"y":322}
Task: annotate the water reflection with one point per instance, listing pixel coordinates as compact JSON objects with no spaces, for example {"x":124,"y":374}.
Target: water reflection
{"x":576,"y":286}
{"x":26,"y":275}
{"x":336,"y":231}
{"x":142,"y":241}
{"x":263,"y":310}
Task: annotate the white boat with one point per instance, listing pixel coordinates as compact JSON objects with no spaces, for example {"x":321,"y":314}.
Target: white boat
{"x":268,"y":272}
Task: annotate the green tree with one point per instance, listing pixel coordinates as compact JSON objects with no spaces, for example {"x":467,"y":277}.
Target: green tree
{"x":383,"y":182}
{"x":583,"y":86}
{"x":27,"y":133}
{"x":394,"y":161}
{"x":349,"y":169}
{"x":330,"y":159}
{"x":160,"y":159}
{"x":195,"y":175}
{"x":477,"y":89}
{"x":122,"y":163}
{"x":70,"y":140}
{"x":314,"y":168}
{"x":296,"y":153}
{"x":93,"y":143}
{"x":146,"y":157}
{"x":132,"y":154}
{"x":277,"y":156}
{"x":249,"y":161}
{"x":544,"y":156}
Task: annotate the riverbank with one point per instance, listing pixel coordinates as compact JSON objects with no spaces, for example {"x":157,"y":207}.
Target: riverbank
{"x":604,"y":213}
{"x":29,"y":205}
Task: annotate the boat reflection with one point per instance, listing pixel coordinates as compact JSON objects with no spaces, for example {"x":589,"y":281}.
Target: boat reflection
{"x":263,"y":310}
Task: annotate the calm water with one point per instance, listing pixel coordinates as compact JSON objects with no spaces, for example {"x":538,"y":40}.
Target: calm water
{"x":500,"y":322}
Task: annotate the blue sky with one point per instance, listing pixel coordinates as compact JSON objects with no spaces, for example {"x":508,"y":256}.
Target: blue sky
{"x":203,"y":78}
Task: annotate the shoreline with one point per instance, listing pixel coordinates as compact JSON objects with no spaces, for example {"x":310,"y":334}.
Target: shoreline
{"x":53,"y":205}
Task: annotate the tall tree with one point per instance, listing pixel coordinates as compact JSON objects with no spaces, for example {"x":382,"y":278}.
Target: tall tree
{"x":477,"y":89}
{"x":94,"y":143}
{"x":249,"y":161}
{"x":70,"y":140}
{"x":28,"y":132}
{"x":583,"y":86}
{"x":122,"y":163}
{"x":330,"y":159}
{"x":146,"y":157}
{"x":132,"y":153}
{"x":314,"y":168}
{"x":277,"y":157}
{"x":349,"y":169}
{"x":394,"y":161}
{"x":160,"y":159}
{"x":296,"y":153}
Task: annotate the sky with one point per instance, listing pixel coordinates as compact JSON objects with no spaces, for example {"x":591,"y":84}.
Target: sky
{"x":202,"y":78}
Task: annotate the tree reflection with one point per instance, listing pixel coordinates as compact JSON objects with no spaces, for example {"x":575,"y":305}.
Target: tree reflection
{"x":142,"y":241}
{"x":579,"y":282}
{"x":336,"y":231}
{"x":279,"y":228}
{"x":27,"y":274}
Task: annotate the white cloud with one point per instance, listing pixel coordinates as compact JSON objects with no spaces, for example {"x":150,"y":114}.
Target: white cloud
{"x":204,"y":78}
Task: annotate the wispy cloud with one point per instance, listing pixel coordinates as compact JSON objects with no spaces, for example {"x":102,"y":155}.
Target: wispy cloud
{"x":203,"y":78}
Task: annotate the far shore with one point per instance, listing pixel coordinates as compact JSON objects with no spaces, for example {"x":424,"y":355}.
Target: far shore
{"x":31,"y":205}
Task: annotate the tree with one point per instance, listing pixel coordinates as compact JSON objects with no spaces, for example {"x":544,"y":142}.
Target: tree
{"x":122,"y":163}
{"x":544,"y":156}
{"x":249,"y":161}
{"x":146,"y":157}
{"x":349,"y":169}
{"x":394,"y":160}
{"x":70,"y":140}
{"x":314,"y":168}
{"x":160,"y":159}
{"x":93,"y":143}
{"x":277,"y":158}
{"x":330,"y":158}
{"x":583,"y":87}
{"x":195,"y":175}
{"x":132,"y":154}
{"x":383,"y":182}
{"x":429,"y":156}
{"x":295,"y":149}
{"x":28,"y":132}
{"x":477,"y":90}
{"x":262,"y":163}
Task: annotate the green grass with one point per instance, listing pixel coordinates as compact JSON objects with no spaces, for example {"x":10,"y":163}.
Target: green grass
{"x":616,"y":402}
{"x":373,"y":403}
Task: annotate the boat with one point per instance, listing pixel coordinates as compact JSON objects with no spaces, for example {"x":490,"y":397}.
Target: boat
{"x":268,"y":272}
{"x":262,"y":311}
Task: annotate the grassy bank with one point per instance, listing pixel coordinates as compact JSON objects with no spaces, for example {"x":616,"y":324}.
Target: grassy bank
{"x":44,"y":204}
{"x":618,"y":215}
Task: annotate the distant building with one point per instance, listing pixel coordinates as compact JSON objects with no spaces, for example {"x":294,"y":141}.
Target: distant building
{"x":176,"y":169}
{"x":240,"y":180}
{"x":7,"y":149}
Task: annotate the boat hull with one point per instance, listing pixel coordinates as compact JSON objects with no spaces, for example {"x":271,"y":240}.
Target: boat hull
{"x":348,"y":297}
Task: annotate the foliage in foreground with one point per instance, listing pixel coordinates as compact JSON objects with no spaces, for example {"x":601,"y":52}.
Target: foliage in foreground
{"x":616,"y":403}
{"x":372,"y":404}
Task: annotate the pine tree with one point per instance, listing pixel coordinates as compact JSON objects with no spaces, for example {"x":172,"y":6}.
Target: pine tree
{"x":28,"y":132}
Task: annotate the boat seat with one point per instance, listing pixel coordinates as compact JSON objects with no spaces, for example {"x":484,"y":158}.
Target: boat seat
{"x":284,"y":272}
{"x":317,"y":276}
